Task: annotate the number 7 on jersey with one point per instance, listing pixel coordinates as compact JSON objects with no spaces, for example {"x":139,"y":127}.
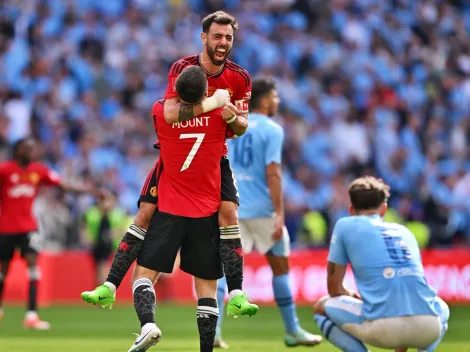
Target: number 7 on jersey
{"x":192,"y":153}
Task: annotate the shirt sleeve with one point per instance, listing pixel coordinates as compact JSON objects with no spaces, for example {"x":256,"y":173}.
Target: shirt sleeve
{"x":50,"y":177}
{"x":337,"y":253}
{"x":242,"y":95}
{"x":275,"y":140}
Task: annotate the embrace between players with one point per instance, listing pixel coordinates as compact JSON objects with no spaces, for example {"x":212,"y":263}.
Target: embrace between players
{"x":193,"y":180}
{"x":197,"y":203}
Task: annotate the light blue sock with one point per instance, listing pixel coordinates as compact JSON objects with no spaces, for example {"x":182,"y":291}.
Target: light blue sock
{"x":285,"y":302}
{"x":221,"y":285}
{"x":338,"y":337}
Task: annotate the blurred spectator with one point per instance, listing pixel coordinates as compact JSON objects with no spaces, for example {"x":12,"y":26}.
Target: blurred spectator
{"x":103,"y":225}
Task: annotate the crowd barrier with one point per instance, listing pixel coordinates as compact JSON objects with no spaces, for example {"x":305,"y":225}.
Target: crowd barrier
{"x":66,"y":275}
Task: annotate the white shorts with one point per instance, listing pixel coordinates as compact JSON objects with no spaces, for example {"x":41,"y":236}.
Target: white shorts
{"x":417,"y":331}
{"x":257,"y":234}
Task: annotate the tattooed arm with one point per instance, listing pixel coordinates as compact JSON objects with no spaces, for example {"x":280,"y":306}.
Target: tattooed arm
{"x":336,"y":273}
{"x":176,"y":111}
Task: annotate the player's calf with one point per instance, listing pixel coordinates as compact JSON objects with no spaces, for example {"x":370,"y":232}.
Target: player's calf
{"x":144,"y":303}
{"x":207,"y":313}
{"x":231,"y":252}
{"x":127,"y":252}
{"x":130,"y":245}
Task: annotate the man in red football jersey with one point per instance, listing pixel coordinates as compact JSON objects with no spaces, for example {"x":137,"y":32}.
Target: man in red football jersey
{"x":189,"y":186}
{"x":217,"y":37}
{"x":20,"y":179}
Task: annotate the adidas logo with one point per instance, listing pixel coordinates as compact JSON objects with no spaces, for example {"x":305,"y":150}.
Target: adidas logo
{"x":205,"y":316}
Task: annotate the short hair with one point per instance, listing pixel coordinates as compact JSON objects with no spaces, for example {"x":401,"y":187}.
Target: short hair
{"x":260,"y":87}
{"x":191,"y":84}
{"x":219,"y":17}
{"x":368,"y":193}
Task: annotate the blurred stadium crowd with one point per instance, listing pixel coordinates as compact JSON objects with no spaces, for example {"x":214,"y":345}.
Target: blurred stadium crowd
{"x":376,"y":87}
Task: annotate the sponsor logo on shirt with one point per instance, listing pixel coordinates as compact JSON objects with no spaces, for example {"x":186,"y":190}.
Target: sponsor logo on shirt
{"x":22,"y":191}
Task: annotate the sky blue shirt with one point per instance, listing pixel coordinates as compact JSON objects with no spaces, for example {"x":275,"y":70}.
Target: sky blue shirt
{"x":387,"y":267}
{"x":249,"y":155}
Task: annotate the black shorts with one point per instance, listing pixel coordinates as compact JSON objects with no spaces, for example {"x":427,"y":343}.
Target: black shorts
{"x":149,"y":193}
{"x":228,"y":190}
{"x":197,"y":238}
{"x":25,"y":242}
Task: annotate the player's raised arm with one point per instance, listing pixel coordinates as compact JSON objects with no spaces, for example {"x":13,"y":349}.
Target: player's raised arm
{"x":177,"y":111}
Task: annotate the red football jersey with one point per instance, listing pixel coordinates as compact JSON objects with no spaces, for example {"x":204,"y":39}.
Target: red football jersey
{"x":233,"y":78}
{"x":18,"y":189}
{"x":189,"y":184}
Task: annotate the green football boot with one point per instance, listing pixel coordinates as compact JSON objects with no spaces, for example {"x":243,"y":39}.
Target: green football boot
{"x":239,"y":305}
{"x":101,"y":295}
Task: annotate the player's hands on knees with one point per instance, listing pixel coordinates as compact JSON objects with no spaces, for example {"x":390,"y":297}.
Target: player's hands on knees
{"x":353,"y":293}
{"x":229,"y":112}
{"x":222,"y":97}
{"x":278,"y":227}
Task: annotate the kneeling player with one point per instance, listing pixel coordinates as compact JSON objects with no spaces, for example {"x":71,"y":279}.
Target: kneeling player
{"x":189,"y":198}
{"x":396,"y":308}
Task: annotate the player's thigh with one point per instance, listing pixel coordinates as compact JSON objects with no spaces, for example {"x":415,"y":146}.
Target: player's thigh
{"x":8,"y":243}
{"x":260,"y":232}
{"x":200,"y":249}
{"x":247,"y":240}
{"x":281,"y":248}
{"x":30,"y":245}
{"x":149,"y":192}
{"x":344,"y":310}
{"x":229,"y":187}
{"x":162,"y":242}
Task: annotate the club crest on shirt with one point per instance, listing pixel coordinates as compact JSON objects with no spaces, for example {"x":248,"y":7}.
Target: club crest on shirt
{"x":153,"y":191}
{"x":34,"y":178}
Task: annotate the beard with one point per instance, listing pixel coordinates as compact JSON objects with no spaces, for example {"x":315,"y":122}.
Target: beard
{"x":215,"y":60}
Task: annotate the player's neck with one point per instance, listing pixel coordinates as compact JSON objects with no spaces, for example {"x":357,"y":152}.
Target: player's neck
{"x":368,"y":213}
{"x":259,"y":111}
{"x":208,"y":66}
{"x":22,"y":163}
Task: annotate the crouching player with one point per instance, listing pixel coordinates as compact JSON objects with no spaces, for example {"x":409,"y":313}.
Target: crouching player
{"x":396,"y":308}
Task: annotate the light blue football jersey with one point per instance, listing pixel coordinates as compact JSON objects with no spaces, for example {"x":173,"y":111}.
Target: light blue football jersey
{"x":249,"y":155}
{"x":387,"y":266}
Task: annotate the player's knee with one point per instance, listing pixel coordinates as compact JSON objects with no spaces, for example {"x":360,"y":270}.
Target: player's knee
{"x":319,"y":306}
{"x":34,"y":273}
{"x":141,"y":272}
{"x":144,"y":215}
{"x":279,"y":265}
{"x":31,"y":259}
{"x":205,"y":288}
{"x":228,"y":214}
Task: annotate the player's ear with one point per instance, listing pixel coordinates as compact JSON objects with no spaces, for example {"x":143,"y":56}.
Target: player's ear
{"x":383,"y":209}
{"x":351,"y":210}
{"x":204,"y":38}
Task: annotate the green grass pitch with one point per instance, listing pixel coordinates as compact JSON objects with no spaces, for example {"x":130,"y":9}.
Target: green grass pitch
{"x":89,"y":329}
